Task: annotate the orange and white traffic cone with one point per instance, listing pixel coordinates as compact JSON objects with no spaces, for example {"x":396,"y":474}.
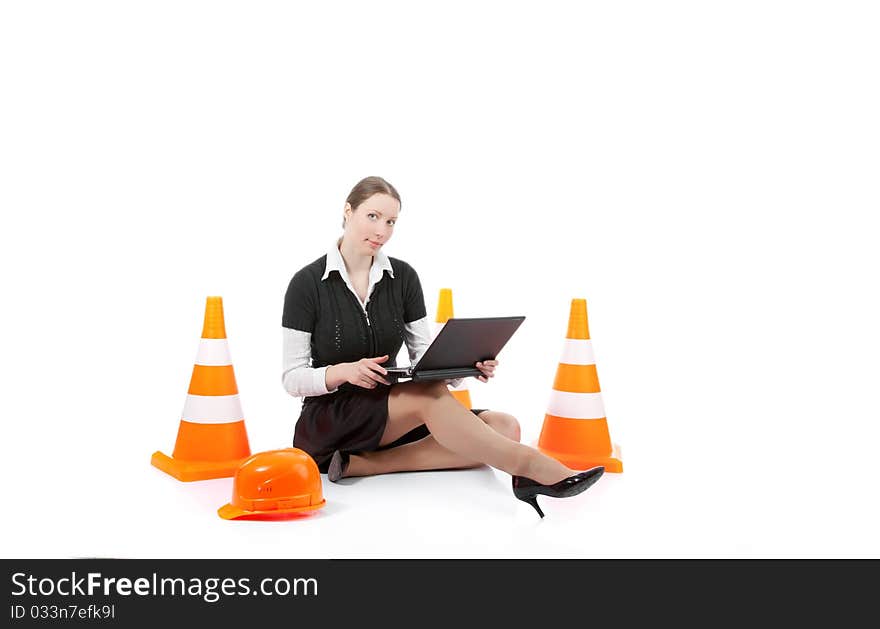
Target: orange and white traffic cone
{"x":444,"y":313}
{"x":211,"y":439}
{"x":575,"y":430}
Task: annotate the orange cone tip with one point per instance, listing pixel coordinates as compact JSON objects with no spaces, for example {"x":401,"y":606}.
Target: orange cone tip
{"x":444,"y":306}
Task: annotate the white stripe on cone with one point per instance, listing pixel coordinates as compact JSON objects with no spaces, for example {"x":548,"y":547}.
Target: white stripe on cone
{"x":212,"y":409}
{"x":213,"y":353}
{"x":578,"y":352}
{"x":576,"y":405}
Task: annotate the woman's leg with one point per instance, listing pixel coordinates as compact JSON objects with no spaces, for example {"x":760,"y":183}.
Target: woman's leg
{"x":460,"y":431}
{"x":427,"y":453}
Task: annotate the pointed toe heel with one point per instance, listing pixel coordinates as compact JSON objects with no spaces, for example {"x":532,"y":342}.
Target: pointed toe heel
{"x":528,"y":490}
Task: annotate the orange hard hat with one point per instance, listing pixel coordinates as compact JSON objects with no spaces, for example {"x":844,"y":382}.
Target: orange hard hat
{"x":273,"y":484}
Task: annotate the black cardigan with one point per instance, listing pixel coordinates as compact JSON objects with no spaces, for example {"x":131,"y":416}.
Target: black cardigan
{"x":340,"y":330}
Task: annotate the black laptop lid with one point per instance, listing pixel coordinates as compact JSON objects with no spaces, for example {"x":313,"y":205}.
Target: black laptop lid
{"x":463,"y":342}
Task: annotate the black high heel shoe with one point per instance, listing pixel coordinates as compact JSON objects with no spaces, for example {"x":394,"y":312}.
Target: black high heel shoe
{"x":337,"y":467}
{"x":527,"y":490}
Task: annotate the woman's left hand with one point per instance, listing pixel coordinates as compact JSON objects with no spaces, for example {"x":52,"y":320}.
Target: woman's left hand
{"x":488,"y":369}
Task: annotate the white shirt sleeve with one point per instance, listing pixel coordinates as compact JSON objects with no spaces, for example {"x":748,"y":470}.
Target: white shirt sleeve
{"x":299,"y":378}
{"x":417,"y":335}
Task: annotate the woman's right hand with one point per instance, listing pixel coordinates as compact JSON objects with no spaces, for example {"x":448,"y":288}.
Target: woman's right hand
{"x":366,"y":373}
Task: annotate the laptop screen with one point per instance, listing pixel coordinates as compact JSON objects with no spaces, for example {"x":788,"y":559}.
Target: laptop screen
{"x":464,"y":342}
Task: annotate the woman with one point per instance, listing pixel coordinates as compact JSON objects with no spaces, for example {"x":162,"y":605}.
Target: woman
{"x":345,"y":318}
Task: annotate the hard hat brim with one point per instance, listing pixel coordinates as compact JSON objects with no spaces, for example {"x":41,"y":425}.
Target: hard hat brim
{"x":231,"y":512}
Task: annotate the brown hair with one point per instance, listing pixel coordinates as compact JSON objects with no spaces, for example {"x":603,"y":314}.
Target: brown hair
{"x":367,"y":187}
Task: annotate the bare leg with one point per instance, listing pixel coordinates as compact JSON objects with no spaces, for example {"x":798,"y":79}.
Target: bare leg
{"x":427,"y":454}
{"x":460,"y":431}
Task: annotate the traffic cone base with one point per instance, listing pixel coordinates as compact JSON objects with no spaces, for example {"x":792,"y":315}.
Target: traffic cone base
{"x":188,"y":471}
{"x":559,"y":432}
{"x":612,"y":463}
{"x":202,"y":451}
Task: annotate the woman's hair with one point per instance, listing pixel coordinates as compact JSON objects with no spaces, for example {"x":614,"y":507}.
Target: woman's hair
{"x":367,"y":187}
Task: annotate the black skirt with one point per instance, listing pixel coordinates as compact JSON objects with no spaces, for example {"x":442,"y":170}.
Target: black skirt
{"x":350,"y":420}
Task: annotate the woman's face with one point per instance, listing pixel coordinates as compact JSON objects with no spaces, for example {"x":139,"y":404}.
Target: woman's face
{"x":371,"y":224}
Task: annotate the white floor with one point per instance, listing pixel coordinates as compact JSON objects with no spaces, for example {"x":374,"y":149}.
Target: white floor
{"x":721,"y":476}
{"x":117,"y":505}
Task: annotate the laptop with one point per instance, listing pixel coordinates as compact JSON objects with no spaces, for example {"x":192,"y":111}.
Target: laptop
{"x":458,"y":347}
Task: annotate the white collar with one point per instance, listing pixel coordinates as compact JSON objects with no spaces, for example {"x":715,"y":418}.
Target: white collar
{"x":381,"y":263}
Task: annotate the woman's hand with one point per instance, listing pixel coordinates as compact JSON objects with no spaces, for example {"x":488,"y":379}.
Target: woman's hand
{"x":367,"y":372}
{"x":488,"y":369}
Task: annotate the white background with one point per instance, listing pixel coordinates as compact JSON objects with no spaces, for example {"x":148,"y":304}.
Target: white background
{"x":704,"y":174}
